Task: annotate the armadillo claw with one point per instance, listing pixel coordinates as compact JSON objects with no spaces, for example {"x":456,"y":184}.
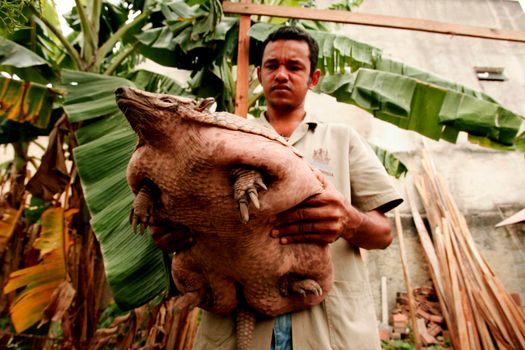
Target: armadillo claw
{"x":259,"y":182}
{"x":137,"y":222}
{"x":246,"y":183}
{"x":304,"y":287}
{"x":254,"y":198}
{"x":141,"y":210}
{"x":243,"y":211}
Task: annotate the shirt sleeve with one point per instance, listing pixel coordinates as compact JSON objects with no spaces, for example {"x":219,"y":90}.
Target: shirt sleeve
{"x":371,"y":186}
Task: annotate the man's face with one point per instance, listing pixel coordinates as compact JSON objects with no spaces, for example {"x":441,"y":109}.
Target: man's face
{"x":285,"y":74}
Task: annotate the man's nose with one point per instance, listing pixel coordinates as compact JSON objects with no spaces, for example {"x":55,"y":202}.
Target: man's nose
{"x":282,"y":73}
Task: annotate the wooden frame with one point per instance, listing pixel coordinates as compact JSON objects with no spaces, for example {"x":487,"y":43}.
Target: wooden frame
{"x":367,"y":19}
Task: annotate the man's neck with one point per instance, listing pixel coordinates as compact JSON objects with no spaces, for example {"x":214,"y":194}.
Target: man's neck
{"x":285,"y":123}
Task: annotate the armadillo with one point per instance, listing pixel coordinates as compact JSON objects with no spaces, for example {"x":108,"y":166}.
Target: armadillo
{"x":223,"y":179}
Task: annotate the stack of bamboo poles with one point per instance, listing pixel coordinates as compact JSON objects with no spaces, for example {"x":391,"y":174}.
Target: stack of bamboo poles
{"x":479,"y":312}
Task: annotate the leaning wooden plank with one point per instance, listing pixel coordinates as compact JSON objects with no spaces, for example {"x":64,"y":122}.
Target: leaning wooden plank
{"x":464,"y":272}
{"x":491,"y":321}
{"x":461,"y":322}
{"x":473,"y":281}
{"x":406,"y":275}
{"x":483,"y":331}
{"x":512,"y":325}
{"x":517,"y":310}
{"x":426,"y":242}
{"x":433,"y":264}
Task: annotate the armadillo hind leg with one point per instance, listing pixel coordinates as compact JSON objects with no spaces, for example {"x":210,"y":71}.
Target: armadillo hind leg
{"x":245,"y":324}
{"x":246,"y":184}
{"x":188,"y":301}
{"x":300,"y":286}
{"x":142,"y":208}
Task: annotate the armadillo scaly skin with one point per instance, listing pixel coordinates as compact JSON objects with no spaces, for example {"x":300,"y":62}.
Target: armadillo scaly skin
{"x":206,"y":169}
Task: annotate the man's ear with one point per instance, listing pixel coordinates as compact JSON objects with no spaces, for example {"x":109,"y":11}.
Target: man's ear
{"x":259,"y":74}
{"x":314,"y":79}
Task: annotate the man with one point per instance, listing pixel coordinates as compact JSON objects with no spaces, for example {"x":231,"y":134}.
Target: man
{"x":349,"y":214}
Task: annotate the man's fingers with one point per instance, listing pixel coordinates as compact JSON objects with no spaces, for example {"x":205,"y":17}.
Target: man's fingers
{"x":303,"y":214}
{"x":307,"y":228}
{"x":310,"y":238}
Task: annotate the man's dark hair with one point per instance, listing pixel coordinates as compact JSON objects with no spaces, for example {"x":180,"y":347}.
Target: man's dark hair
{"x":295,"y":33}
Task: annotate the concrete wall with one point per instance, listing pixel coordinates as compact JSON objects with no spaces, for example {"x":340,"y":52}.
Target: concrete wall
{"x":487,"y":185}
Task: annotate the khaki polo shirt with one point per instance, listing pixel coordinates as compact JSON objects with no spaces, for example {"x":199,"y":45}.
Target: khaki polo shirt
{"x":346,"y":320}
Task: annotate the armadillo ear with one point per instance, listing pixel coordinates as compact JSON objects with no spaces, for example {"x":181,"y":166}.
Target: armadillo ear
{"x":148,"y":123}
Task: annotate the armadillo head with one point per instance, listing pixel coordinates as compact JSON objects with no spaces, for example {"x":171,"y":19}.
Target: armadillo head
{"x":154,"y":117}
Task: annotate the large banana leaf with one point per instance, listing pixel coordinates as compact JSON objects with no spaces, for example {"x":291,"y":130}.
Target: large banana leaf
{"x":406,"y":96}
{"x":41,"y":280}
{"x":90,"y":95}
{"x":26,"y":105}
{"x":16,"y":59}
{"x":24,"y":101}
{"x":135,"y":267}
{"x":151,"y":81}
{"x":393,"y":166}
{"x":428,"y":109}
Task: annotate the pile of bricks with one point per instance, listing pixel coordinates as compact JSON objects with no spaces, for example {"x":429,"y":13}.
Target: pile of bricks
{"x":429,"y":320}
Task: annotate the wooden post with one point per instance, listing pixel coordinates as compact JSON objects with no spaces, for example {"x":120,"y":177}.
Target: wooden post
{"x":243,"y":65}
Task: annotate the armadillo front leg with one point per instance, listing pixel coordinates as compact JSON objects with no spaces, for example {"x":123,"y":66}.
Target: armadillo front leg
{"x":142,"y":208}
{"x":246,"y":183}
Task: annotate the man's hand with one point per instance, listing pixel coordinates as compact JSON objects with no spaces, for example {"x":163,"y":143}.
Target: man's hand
{"x":325,"y":217}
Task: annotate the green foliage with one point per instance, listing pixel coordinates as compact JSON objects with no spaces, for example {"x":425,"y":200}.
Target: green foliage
{"x":90,"y":95}
{"x":195,"y":37}
{"x":397,"y":345}
{"x":12,"y":16}
{"x":393,"y":166}
{"x":26,"y":64}
{"x":155,"y":82}
{"x":34,"y":210}
{"x":109,"y":314}
{"x":346,"y":5}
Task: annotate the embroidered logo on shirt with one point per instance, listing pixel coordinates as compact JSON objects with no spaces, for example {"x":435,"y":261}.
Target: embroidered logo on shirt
{"x":321,"y":160}
{"x":321,"y":155}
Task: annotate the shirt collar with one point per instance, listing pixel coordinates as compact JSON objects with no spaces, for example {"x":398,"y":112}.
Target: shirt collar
{"x":308,"y":123}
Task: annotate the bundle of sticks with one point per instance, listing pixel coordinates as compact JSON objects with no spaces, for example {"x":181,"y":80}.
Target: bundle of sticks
{"x":478,"y":311}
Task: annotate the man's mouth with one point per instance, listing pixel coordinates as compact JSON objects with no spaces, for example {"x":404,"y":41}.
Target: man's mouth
{"x":280,"y":88}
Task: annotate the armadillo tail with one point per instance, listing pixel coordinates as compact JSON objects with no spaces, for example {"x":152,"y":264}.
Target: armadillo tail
{"x":245,"y":322}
